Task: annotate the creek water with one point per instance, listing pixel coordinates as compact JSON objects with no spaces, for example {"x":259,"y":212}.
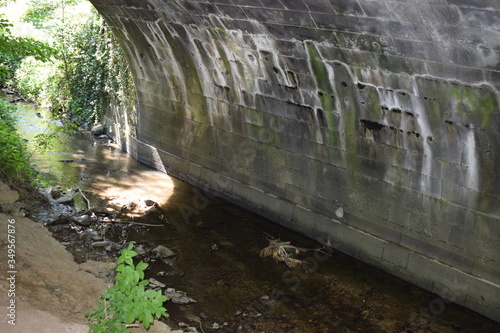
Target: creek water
{"x":217,"y":248}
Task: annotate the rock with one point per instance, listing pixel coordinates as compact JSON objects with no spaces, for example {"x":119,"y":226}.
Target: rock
{"x":55,"y":193}
{"x":65,"y":200}
{"x":103,"y":243}
{"x":61,"y":219}
{"x":153,"y":283}
{"x":178,"y":297}
{"x":265,"y":297}
{"x":98,"y":130}
{"x":164,"y":252}
{"x":152,"y":210}
{"x":214,"y":247}
{"x":150,"y":203}
{"x":140,"y":250}
{"x":103,"y":211}
{"x":83,"y":220}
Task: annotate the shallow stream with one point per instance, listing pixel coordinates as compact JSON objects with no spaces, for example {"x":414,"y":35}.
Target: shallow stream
{"x":217,"y":248}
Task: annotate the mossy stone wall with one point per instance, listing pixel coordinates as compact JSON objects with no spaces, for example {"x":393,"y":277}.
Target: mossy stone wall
{"x":371,"y":125}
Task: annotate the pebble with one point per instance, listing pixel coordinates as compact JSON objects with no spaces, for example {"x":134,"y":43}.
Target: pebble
{"x":178,"y":297}
{"x":139,"y":250}
{"x":104,"y":243}
{"x":164,"y":252}
{"x":83,"y":220}
{"x":150,"y":203}
{"x":55,"y":193}
{"x":156,"y":284}
{"x":65,"y":200}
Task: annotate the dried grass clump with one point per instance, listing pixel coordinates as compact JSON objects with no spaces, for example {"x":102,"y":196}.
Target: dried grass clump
{"x":282,"y":252}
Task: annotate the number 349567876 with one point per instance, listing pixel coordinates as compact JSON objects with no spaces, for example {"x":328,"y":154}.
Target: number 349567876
{"x":11,"y":240}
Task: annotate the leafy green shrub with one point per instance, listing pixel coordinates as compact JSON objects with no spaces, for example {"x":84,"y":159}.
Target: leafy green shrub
{"x":127,"y":301}
{"x":15,"y":165}
{"x":35,"y":79}
{"x":14,"y":49}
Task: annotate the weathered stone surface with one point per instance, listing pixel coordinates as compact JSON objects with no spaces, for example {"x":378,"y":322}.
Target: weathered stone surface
{"x":294,"y":109}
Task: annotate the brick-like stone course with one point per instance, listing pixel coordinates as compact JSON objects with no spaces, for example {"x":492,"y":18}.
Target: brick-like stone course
{"x":370,"y":124}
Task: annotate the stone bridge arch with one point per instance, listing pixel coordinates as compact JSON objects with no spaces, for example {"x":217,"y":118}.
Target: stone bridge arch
{"x":373,"y":126}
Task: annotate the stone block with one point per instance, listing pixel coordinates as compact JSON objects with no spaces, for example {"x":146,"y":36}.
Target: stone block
{"x":280,"y":16}
{"x":375,"y":9}
{"x":404,"y":12}
{"x":321,"y":6}
{"x":374,"y":223}
{"x":487,"y":269}
{"x":294,"y":5}
{"x":487,"y":225}
{"x":483,"y":4}
{"x":395,"y":254}
{"x":350,"y":8}
{"x":487,"y":306}
{"x":439,"y":15}
{"x":439,"y":251}
{"x":460,"y":195}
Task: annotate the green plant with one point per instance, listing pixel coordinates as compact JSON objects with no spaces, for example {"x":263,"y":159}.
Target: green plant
{"x":127,"y":301}
{"x":13,"y":49}
{"x":15,"y":167}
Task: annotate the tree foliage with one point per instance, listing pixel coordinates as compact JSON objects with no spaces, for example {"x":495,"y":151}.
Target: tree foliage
{"x":14,"y":49}
{"x":87,"y":68}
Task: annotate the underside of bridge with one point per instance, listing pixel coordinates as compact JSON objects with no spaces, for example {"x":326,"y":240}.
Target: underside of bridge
{"x":371,"y":125}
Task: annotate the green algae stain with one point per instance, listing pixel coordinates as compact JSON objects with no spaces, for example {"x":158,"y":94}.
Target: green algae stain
{"x":475,"y":103}
{"x":325,"y":89}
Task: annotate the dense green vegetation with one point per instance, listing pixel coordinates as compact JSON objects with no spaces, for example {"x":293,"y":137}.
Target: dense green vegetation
{"x":73,"y":63}
{"x":15,"y":166}
{"x":57,"y":53}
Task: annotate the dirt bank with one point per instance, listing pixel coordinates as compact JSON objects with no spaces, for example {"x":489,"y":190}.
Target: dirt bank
{"x":51,"y":292}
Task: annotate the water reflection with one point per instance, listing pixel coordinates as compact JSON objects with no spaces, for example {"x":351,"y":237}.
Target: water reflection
{"x":99,"y":167}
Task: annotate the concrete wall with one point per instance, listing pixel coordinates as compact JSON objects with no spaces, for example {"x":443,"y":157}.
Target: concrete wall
{"x":370,"y":124}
